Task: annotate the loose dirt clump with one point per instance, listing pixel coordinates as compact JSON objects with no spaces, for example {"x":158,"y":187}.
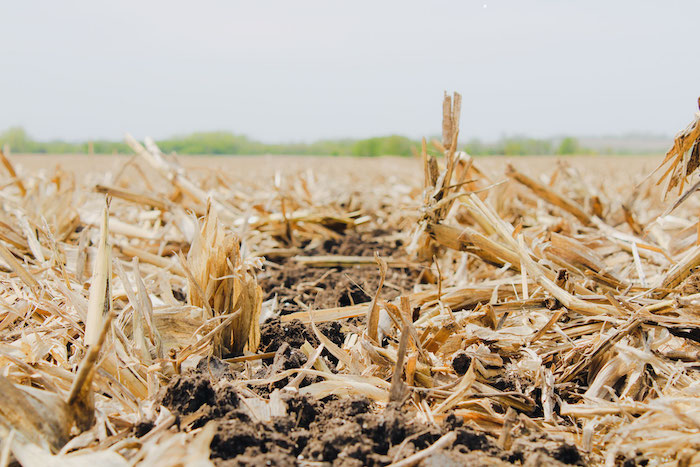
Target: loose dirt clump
{"x":200,"y":396}
{"x":285,"y":339}
{"x":461,"y":362}
{"x":187,"y":393}
{"x":274,"y":333}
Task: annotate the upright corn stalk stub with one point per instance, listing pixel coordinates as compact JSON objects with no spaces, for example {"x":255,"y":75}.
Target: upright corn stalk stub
{"x":684,"y":157}
{"x":439,"y":185}
{"x":229,"y":289}
{"x":100,"y":299}
{"x":81,"y":399}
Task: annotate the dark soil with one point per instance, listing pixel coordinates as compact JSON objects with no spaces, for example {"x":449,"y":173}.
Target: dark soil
{"x":273,"y":333}
{"x":343,"y":432}
{"x":535,"y":448}
{"x":286,"y":338}
{"x":351,"y":431}
{"x":461,"y":362}
{"x":337,"y":287}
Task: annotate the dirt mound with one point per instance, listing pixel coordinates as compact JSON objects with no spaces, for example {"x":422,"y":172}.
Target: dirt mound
{"x":351,"y":431}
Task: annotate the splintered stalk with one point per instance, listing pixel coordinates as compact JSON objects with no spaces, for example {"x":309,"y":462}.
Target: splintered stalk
{"x":373,"y":311}
{"x":397,"y":386}
{"x":100,"y":301}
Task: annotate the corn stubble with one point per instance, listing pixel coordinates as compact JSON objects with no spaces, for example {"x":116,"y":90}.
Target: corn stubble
{"x":224,"y":287}
{"x":576,"y":287}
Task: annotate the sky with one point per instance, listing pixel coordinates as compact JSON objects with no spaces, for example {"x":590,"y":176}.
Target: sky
{"x":283,"y":71}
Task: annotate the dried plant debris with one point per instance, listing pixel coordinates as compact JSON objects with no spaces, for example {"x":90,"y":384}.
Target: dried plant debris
{"x":683,"y":159}
{"x":438,"y":311}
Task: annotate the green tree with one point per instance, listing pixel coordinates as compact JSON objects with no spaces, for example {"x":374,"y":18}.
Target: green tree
{"x":526,"y":146}
{"x":393,"y":145}
{"x":568,"y":145}
{"x":17,"y":139}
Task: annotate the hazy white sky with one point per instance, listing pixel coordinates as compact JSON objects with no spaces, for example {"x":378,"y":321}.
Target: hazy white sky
{"x":302,"y":70}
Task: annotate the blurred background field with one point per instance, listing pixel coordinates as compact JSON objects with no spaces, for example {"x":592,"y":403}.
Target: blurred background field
{"x":338,"y":167}
{"x":226,"y":143}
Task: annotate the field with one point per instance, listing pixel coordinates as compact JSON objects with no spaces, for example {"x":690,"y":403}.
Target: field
{"x":163,"y":310}
{"x":347,"y":168}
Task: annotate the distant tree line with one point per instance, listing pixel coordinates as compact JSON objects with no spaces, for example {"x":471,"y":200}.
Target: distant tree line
{"x":221,"y":142}
{"x":523,"y":146}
